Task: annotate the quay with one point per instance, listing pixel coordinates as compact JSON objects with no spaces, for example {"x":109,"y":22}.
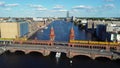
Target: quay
{"x":36,"y":27}
{"x":20,"y":29}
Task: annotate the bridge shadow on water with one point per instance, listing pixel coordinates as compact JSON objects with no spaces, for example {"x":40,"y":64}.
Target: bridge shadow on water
{"x":82,"y":58}
{"x":35,"y":54}
{"x":19,"y":53}
{"x":103,"y":59}
{"x":19,"y":59}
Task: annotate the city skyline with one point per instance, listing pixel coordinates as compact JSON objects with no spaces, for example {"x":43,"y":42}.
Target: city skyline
{"x":59,"y":8}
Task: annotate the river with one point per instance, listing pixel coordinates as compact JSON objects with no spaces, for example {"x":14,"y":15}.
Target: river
{"x":37,"y":60}
{"x":62,"y":31}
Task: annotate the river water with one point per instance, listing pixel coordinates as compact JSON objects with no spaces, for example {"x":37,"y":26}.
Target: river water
{"x":62,"y":31}
{"x":37,"y":60}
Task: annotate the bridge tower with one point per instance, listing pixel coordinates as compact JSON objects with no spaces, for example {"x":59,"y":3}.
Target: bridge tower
{"x":72,"y":35}
{"x":52,"y":34}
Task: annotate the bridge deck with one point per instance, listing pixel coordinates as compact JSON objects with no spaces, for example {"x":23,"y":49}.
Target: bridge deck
{"x":57,"y":48}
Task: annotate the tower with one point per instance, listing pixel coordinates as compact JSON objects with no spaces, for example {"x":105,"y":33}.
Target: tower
{"x":72,"y":35}
{"x":52,"y":34}
{"x":67,"y":14}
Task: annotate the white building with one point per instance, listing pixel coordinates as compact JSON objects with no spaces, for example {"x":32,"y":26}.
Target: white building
{"x":38,"y":19}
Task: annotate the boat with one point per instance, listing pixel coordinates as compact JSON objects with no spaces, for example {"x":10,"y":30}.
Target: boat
{"x":41,"y":30}
{"x":71,"y":61}
{"x":46,"y":27}
{"x":58,"y":54}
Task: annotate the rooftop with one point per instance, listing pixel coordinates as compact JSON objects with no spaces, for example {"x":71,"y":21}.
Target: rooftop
{"x":12,"y":20}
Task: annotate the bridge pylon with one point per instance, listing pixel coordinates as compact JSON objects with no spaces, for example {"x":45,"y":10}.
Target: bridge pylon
{"x":72,"y":35}
{"x":52,"y":35}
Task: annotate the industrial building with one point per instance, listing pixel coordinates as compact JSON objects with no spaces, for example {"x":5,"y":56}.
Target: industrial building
{"x":108,"y":32}
{"x":101,"y":31}
{"x":113,"y":37}
{"x":113,"y":32}
{"x":13,"y":29}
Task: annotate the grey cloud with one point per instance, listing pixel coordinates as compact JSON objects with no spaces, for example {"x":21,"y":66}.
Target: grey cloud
{"x":38,"y":7}
{"x":12,"y":5}
{"x":109,"y":6}
{"x":35,"y":6}
{"x":41,"y":9}
{"x":82,"y":7}
{"x":58,"y":7}
{"x":2,"y":4}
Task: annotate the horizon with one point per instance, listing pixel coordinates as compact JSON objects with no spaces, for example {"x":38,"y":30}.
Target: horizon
{"x":55,"y":8}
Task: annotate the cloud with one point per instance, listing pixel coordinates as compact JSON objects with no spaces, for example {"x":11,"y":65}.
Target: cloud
{"x":74,"y":10}
{"x":12,"y":5}
{"x":38,"y":7}
{"x":109,"y":6}
{"x":62,"y":10}
{"x":58,"y":7}
{"x":59,"y":10}
{"x":41,"y":9}
{"x":2,"y":4}
{"x":7,"y":9}
{"x":92,"y":10}
{"x":82,"y":7}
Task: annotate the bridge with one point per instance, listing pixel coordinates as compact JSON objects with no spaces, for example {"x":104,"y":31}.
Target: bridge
{"x":72,"y":48}
{"x":70,"y":51}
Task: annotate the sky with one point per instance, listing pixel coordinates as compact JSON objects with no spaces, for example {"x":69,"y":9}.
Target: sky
{"x":59,"y":8}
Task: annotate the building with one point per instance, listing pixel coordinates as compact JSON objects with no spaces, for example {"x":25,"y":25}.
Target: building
{"x":101,"y":32}
{"x":112,"y":36}
{"x":108,"y":32}
{"x":89,"y":25}
{"x":67,"y":15}
{"x":13,"y":29}
{"x":113,"y":33}
{"x":38,"y":19}
{"x":83,"y":22}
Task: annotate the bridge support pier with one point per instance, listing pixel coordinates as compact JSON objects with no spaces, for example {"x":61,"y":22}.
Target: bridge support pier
{"x":26,"y":51}
{"x":118,"y":49}
{"x":51,"y":43}
{"x":107,"y":48}
{"x":69,"y":55}
{"x":46,"y":53}
{"x":69,"y":44}
{"x":92,"y":56}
